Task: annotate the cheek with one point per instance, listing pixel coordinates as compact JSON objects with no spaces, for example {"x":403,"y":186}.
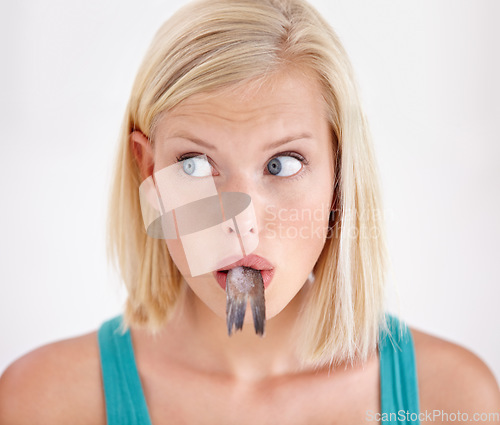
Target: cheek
{"x":295,"y":231}
{"x":176,"y":251}
{"x":299,"y":219}
{"x":204,"y":286}
{"x":300,"y":225}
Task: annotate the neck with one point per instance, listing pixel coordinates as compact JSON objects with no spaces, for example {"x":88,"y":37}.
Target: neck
{"x":196,"y":337}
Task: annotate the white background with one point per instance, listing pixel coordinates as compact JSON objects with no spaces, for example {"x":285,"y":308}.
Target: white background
{"x":428,"y":73}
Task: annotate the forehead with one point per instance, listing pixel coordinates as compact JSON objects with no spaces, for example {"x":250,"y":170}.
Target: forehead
{"x":283,"y":98}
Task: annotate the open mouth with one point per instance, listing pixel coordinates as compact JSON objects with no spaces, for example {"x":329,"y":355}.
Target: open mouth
{"x":221,"y":277}
{"x":251,"y":261}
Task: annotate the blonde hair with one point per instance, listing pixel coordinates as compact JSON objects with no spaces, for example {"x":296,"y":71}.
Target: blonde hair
{"x":211,"y":44}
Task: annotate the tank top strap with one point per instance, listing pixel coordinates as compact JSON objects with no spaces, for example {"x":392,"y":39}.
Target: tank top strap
{"x":125,"y":401}
{"x":398,"y":374}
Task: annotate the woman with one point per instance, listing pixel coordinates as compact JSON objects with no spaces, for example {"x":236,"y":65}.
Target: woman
{"x":254,"y":99}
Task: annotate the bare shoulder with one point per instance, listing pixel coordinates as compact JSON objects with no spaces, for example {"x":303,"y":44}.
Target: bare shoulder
{"x":452,"y":378}
{"x":56,"y":383}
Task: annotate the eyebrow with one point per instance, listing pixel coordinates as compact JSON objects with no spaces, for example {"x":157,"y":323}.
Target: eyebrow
{"x":288,"y":139}
{"x":269,"y":147}
{"x":195,"y":140}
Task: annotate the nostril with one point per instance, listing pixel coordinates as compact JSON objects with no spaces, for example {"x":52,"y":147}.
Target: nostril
{"x":243,"y":228}
{"x":251,"y":230}
{"x":247,"y":231}
{"x":229,"y":227}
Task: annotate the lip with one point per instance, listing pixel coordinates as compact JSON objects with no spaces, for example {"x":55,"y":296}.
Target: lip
{"x":254,"y":261}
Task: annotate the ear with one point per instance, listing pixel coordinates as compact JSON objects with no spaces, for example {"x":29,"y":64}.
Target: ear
{"x":143,"y":153}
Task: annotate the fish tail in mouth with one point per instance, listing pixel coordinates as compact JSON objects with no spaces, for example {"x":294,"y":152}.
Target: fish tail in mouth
{"x":235,"y":312}
{"x":243,"y":284}
{"x":259,"y":314}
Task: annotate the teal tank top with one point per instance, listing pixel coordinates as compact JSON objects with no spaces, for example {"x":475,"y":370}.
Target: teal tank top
{"x":126,"y":404}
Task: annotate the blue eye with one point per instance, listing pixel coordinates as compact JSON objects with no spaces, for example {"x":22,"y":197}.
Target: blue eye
{"x":197,"y":166}
{"x":284,"y":166}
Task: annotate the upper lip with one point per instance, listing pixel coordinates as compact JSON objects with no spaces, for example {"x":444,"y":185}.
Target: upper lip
{"x":253,"y":261}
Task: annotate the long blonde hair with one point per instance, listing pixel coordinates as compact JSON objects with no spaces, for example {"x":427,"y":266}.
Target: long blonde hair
{"x":211,"y":44}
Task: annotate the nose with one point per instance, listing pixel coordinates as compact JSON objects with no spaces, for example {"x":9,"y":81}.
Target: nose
{"x":238,"y":204}
{"x":241,"y":222}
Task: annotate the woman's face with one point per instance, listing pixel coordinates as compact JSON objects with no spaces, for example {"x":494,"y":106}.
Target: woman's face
{"x":273,"y":142}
